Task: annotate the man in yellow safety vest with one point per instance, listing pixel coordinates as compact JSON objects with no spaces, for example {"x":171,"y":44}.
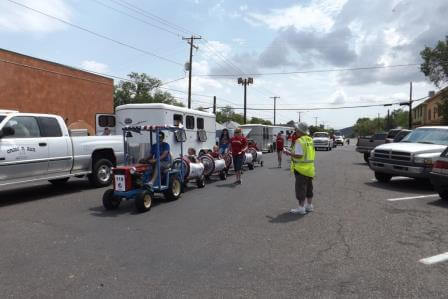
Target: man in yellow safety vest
{"x":302,"y":165}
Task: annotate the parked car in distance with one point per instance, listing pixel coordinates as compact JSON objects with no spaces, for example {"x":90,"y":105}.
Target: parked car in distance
{"x":322,"y":140}
{"x":413,"y":157}
{"x":37,"y":147}
{"x":366,"y":144}
{"x":400,"y":136}
{"x":439,"y":175}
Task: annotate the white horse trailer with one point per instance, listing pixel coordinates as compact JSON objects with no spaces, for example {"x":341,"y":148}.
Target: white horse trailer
{"x":261,"y":134}
{"x":200,"y":127}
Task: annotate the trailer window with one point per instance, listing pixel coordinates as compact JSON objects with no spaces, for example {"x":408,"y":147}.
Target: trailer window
{"x":106,"y":121}
{"x":178,"y":119}
{"x":200,"y":123}
{"x":190,"y":122}
{"x":49,"y":127}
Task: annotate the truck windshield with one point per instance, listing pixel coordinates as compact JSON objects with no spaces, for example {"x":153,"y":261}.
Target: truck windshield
{"x":320,"y":135}
{"x":2,"y":117}
{"x":429,"y":136}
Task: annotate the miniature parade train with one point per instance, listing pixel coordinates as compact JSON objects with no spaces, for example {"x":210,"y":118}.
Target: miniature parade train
{"x":140,"y":181}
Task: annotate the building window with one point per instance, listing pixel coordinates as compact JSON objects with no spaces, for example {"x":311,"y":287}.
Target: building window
{"x":429,"y":114}
{"x":190,"y":122}
{"x":178,"y":119}
{"x":200,"y":123}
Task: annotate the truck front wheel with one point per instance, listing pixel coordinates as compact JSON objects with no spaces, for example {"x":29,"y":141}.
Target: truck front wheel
{"x":366,"y":157}
{"x":383,"y":177}
{"x":101,"y":175}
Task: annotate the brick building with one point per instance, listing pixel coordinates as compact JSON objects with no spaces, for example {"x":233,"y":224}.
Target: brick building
{"x":427,"y":113}
{"x":34,"y":85}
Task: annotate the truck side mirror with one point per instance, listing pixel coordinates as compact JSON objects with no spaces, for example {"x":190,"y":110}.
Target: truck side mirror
{"x":7,"y":131}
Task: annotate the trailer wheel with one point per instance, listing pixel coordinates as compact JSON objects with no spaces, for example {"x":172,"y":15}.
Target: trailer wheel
{"x":200,"y":182}
{"x":250,"y":166}
{"x":143,"y":201}
{"x":59,"y":182}
{"x":101,"y":175}
{"x":110,"y":200}
{"x":174,"y":189}
{"x":223,"y":175}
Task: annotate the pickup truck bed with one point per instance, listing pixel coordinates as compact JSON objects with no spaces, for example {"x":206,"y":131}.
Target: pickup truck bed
{"x":366,"y":144}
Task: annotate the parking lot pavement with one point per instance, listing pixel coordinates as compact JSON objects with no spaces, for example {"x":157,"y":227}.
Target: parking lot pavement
{"x":365,"y":239}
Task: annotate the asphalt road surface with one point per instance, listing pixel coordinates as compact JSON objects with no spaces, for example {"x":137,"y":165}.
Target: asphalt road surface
{"x":230,"y":241}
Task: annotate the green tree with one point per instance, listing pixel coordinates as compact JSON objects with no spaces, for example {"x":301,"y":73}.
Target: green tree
{"x":142,"y":88}
{"x":257,"y":120}
{"x":435,"y":67}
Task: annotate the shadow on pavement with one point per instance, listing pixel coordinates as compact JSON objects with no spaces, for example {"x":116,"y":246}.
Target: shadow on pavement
{"x":126,"y":207}
{"x":404,"y":185}
{"x":439,"y":203}
{"x":229,"y":185}
{"x":360,"y":163}
{"x":37,"y":192}
{"x":284,"y":217}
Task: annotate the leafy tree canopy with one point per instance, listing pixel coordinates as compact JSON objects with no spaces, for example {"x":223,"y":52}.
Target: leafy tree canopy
{"x":142,"y":88}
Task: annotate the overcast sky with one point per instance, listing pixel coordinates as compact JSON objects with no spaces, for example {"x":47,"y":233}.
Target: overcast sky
{"x":239,"y":37}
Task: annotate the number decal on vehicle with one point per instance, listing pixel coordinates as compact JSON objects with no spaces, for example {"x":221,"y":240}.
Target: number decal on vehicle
{"x":120,"y":184}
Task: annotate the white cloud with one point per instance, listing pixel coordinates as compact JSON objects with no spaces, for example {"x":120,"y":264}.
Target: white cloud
{"x":243,"y":7}
{"x":339,"y":97}
{"x":318,"y":15}
{"x":15,"y":18}
{"x":94,"y":66}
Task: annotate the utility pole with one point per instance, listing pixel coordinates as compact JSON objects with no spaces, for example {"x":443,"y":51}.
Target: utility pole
{"x":214,"y":105}
{"x":388,"y":116}
{"x":275,"y":106}
{"x":190,"y":40}
{"x":379,"y":125}
{"x":410,"y":106}
{"x":316,"y":118}
{"x":245,"y":82}
{"x":300,"y":113}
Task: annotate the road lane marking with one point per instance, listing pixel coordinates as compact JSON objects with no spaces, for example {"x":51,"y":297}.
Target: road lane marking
{"x":435,"y":259}
{"x":413,"y":197}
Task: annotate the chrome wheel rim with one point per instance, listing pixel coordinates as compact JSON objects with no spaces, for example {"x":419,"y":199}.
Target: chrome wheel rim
{"x":104,"y":173}
{"x":147,"y":201}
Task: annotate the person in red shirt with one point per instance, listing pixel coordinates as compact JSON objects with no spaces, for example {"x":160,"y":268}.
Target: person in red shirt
{"x":294,"y":137}
{"x":280,"y":144}
{"x":238,"y":144}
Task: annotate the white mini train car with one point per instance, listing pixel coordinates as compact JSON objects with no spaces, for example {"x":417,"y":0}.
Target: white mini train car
{"x":200,"y":127}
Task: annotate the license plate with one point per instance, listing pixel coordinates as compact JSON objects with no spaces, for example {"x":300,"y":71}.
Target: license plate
{"x":120,"y":184}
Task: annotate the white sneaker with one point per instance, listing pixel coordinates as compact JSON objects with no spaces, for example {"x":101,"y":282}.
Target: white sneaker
{"x":309,"y":208}
{"x":299,"y":210}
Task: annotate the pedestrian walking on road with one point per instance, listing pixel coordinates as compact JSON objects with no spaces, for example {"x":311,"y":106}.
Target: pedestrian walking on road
{"x":280,"y":142}
{"x":238,"y":145}
{"x":302,"y":165}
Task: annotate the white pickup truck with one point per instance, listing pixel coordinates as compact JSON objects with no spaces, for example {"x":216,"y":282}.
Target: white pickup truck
{"x":322,"y":140}
{"x":412,"y":157}
{"x":36,"y":147}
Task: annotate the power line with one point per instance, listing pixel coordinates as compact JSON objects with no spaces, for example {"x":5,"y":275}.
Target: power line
{"x":313,"y":71}
{"x":96,"y":34}
{"x":321,"y":108}
{"x":152,"y":16}
{"x":136,"y":18}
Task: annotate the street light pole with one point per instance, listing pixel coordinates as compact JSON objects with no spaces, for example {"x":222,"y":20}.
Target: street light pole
{"x":245,"y":82}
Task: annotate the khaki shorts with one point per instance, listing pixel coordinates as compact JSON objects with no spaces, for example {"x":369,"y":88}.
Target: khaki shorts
{"x":304,"y":186}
